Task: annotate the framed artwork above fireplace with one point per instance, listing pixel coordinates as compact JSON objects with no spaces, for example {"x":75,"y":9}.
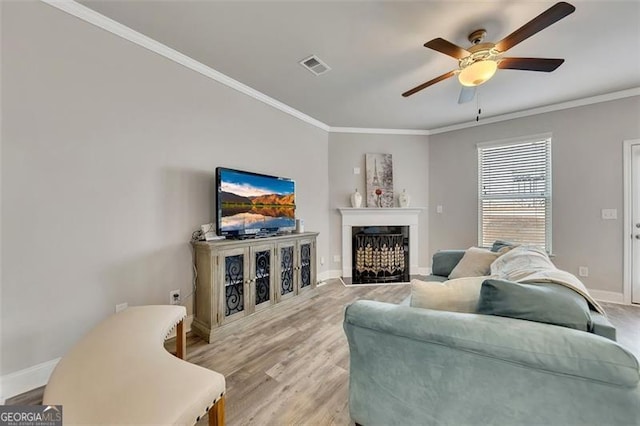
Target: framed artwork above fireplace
{"x":379,"y":180}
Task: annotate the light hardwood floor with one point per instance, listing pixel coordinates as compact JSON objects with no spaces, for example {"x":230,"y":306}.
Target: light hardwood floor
{"x":292,"y":368}
{"x":626,"y":319}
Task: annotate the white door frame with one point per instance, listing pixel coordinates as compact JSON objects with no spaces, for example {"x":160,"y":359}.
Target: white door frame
{"x":628,"y":218}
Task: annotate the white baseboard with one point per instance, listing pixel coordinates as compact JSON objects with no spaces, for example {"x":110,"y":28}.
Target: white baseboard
{"x":607,"y":296}
{"x":38,"y":375}
{"x":424,"y":271}
{"x":327,"y":275}
{"x":24,"y":380}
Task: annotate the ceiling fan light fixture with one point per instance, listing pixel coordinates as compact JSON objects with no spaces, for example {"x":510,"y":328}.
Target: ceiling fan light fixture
{"x":477,"y":73}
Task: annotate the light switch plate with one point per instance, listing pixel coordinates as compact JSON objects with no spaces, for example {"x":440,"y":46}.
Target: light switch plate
{"x":356,"y":170}
{"x":438,"y":209}
{"x":609,"y":214}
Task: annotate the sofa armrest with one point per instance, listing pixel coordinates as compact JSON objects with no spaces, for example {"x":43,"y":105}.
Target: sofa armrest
{"x":529,"y":344}
{"x":445,"y":260}
{"x":602,"y":326}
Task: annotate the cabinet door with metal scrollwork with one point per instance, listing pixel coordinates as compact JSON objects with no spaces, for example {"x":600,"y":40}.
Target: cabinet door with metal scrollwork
{"x":235,"y":276}
{"x":262,"y":273}
{"x":306,"y":264}
{"x":286,"y":267}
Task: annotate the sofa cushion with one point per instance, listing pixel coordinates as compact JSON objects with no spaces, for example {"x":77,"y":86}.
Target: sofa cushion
{"x":546,"y":303}
{"x":444,"y":261}
{"x":476,"y":262}
{"x":459,"y":295}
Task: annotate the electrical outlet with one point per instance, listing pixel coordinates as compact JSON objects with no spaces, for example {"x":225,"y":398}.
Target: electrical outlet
{"x":438,"y":209}
{"x":337,"y":258}
{"x":174,"y":297}
{"x":322,"y":260}
{"x":121,"y":307}
{"x":356,"y":170}
{"x":609,"y":214}
{"x":583,"y":271}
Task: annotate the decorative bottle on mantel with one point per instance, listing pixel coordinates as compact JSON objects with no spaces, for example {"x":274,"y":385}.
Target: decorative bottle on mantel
{"x":356,"y":199}
{"x":404,"y":199}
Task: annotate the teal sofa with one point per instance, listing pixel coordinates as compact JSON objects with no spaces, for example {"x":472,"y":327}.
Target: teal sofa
{"x":444,"y":261}
{"x":413,"y":366}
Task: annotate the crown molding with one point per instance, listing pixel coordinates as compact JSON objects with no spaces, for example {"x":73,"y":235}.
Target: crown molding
{"x":92,"y":17}
{"x":541,"y":110}
{"x":378,"y":131}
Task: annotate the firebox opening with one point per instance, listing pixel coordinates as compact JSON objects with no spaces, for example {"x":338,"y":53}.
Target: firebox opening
{"x":380,"y":254}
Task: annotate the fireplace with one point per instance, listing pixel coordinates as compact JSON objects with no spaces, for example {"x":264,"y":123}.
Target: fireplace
{"x":380,"y":254}
{"x":380,"y":217}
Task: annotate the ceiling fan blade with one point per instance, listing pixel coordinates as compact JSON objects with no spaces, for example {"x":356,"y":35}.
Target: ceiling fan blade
{"x":467,"y":93}
{"x":443,"y":46}
{"x":530,"y":64}
{"x":428,"y":83}
{"x":539,"y":23}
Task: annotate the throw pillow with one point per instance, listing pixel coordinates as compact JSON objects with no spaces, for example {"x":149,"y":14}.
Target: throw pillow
{"x":476,"y":262}
{"x":546,"y":303}
{"x":502,"y":245}
{"x":460,"y":295}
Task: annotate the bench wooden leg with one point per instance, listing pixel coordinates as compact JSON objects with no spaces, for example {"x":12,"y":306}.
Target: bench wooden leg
{"x":181,"y":341}
{"x":216,"y":413}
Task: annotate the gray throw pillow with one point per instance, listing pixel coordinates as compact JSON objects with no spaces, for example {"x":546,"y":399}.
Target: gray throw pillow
{"x":544,"y":302}
{"x":500,"y":244}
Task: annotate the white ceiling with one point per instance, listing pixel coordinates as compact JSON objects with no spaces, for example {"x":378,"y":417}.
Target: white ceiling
{"x":375,"y":50}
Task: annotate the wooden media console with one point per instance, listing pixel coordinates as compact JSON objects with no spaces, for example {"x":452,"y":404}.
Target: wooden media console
{"x":239,"y":278}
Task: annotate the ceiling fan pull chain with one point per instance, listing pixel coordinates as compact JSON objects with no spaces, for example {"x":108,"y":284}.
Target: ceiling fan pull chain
{"x":478,"y":105}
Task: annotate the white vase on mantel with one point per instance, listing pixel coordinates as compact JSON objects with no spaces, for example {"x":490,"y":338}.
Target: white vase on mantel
{"x":404,"y":199}
{"x":356,"y":199}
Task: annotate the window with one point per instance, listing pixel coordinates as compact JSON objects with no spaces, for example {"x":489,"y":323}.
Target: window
{"x":514,"y":192}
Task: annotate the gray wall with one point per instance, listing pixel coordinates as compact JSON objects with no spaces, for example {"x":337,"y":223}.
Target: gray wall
{"x":108,"y":158}
{"x":587,"y":177}
{"x":410,"y":159}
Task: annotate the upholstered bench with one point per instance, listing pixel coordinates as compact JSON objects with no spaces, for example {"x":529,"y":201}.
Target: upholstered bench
{"x":120,"y":373}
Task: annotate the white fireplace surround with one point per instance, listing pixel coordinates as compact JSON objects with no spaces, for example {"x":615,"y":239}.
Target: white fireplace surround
{"x":379,"y":217}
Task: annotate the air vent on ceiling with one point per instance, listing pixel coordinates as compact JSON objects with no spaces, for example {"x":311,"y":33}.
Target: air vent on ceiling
{"x":315,"y":65}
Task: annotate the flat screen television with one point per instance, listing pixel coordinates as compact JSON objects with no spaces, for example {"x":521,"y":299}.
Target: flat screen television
{"x":251,"y":204}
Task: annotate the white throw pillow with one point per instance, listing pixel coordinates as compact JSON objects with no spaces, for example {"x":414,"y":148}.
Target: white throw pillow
{"x":459,"y":295}
{"x":476,"y":262}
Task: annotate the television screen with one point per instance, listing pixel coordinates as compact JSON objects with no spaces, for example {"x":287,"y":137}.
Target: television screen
{"x":251,"y":203}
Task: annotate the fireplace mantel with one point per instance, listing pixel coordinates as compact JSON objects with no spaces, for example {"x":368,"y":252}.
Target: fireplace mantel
{"x":373,"y":216}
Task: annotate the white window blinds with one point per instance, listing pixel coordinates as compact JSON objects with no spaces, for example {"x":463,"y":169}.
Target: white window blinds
{"x":514,"y":192}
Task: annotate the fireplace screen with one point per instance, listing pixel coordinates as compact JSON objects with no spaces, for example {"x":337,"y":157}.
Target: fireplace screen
{"x":380,"y":257}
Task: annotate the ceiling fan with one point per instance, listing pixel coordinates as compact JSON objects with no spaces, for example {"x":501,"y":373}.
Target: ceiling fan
{"x":478,"y":63}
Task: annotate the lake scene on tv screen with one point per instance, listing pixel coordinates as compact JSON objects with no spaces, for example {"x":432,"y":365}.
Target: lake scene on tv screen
{"x":250,"y":202}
